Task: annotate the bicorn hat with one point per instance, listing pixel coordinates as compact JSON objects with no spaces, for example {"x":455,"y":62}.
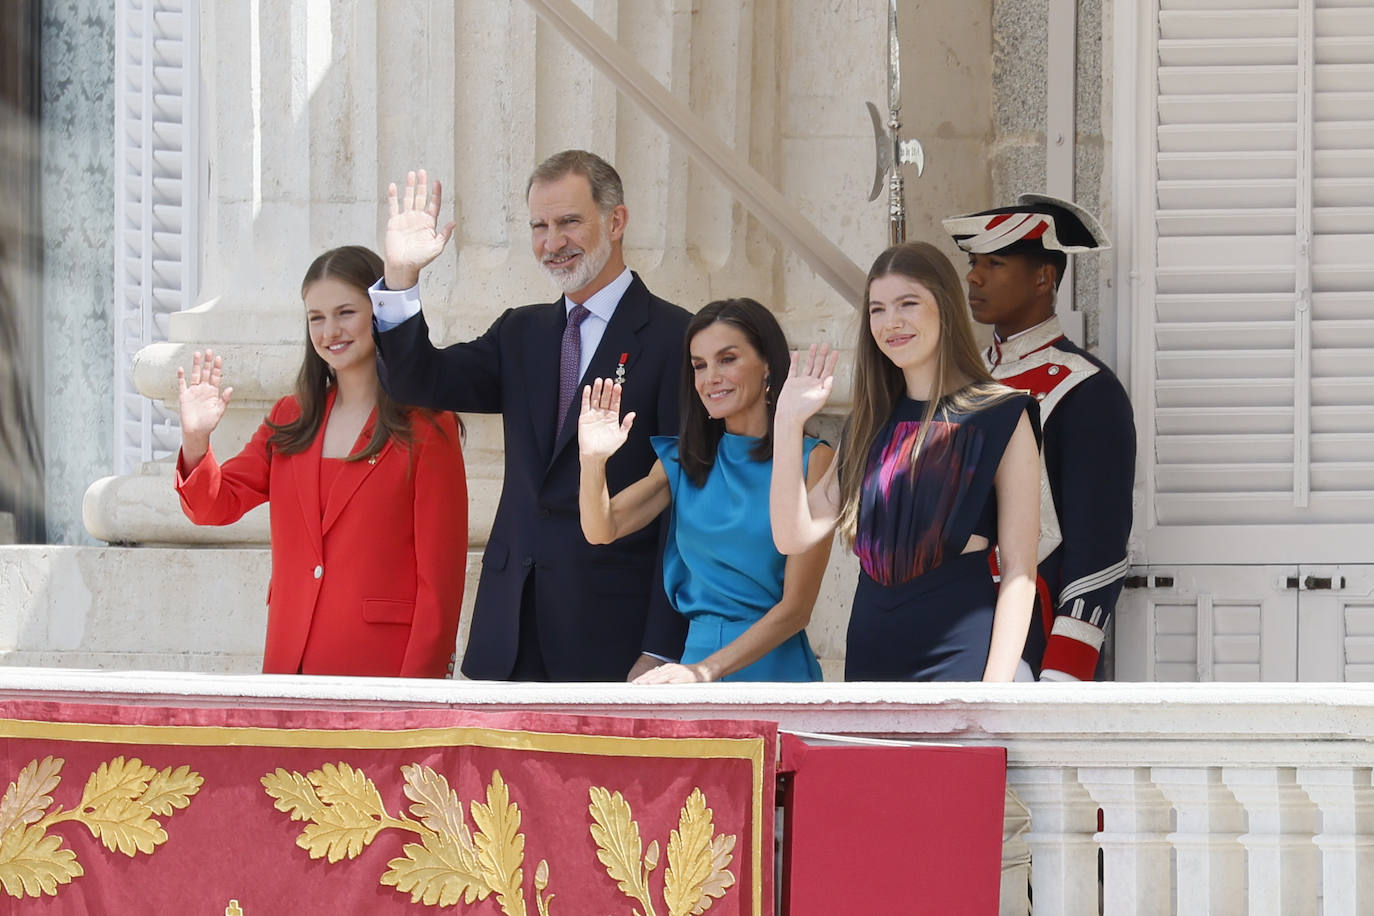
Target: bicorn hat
{"x":1038,"y":222}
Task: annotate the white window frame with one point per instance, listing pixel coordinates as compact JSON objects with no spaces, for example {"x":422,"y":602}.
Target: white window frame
{"x":157,"y":206}
{"x":1135,"y":145}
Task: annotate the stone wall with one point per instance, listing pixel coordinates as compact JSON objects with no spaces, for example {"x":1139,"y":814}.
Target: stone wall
{"x":78,"y":258}
{"x":1019,"y":147}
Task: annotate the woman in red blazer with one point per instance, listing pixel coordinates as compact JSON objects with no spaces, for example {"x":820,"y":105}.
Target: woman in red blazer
{"x":368,"y":498}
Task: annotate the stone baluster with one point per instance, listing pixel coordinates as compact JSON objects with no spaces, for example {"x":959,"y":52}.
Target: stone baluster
{"x":1135,"y":853}
{"x":1210,"y":862}
{"x":1345,"y":797}
{"x":1281,"y":856}
{"x":1063,"y":819}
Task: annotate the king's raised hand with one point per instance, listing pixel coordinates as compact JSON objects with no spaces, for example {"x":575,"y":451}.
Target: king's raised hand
{"x":413,"y":237}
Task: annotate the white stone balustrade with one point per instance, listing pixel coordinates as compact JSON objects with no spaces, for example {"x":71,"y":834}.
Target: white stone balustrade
{"x":1198,"y":783}
{"x":1206,"y":840}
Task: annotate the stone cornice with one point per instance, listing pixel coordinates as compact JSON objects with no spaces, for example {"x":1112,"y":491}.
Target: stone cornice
{"x":1076,"y":725}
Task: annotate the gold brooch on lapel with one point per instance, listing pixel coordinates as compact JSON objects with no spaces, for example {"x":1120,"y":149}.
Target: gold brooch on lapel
{"x":372,"y":460}
{"x":620,"y":369}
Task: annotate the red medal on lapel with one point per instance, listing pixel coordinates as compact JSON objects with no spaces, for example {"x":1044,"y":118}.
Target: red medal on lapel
{"x":620,"y":369}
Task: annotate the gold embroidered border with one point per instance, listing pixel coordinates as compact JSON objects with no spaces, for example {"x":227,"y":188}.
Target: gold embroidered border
{"x":751,"y":749}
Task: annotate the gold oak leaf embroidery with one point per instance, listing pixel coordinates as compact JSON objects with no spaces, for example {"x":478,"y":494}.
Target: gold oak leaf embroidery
{"x":698,"y":863}
{"x":117,"y":806}
{"x":432,"y":873}
{"x":171,"y":789}
{"x":293,"y":794}
{"x":618,"y":846}
{"x":121,"y":797}
{"x":436,"y":805}
{"x":345,"y":813}
{"x":351,"y":813}
{"x":113,"y":810}
{"x":443,"y":867}
{"x":500,"y":846}
{"x":30,"y":795}
{"x":32,"y":862}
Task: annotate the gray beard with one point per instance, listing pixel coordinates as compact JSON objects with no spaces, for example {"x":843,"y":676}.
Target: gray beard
{"x":588,"y":266}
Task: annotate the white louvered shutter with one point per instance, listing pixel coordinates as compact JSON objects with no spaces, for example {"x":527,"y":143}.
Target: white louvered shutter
{"x":1262,"y":366}
{"x":156,"y":212}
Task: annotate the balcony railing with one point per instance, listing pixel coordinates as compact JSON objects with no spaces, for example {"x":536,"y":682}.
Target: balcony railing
{"x":1214,"y":798}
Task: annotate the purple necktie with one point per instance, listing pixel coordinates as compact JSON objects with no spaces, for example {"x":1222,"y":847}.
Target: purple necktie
{"x":569,"y":360}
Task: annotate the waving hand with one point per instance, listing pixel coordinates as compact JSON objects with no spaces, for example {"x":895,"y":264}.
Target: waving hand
{"x":600,"y":431}
{"x":413,"y":237}
{"x":202,"y":404}
{"x":809,"y":382}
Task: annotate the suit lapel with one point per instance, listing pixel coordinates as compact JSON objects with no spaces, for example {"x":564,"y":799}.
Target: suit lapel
{"x":352,"y":475}
{"x":621,"y":336}
{"x":305,"y":466}
{"x":542,"y":352}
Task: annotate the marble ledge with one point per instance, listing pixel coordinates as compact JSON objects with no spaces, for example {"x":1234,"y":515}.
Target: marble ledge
{"x":1109,"y":724}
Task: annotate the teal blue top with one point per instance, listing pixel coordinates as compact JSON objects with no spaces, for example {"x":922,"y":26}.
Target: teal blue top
{"x":720,"y":568}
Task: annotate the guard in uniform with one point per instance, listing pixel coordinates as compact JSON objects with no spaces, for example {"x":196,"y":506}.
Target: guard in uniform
{"x":1017,"y":257}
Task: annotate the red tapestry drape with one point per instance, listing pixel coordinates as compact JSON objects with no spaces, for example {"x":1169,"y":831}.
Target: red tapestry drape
{"x":140,"y":809}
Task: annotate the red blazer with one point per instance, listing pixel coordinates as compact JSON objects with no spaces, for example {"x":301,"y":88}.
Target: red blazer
{"x":370,"y":583}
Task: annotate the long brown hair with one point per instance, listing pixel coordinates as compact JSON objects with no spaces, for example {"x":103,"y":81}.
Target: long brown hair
{"x":962,"y":381}
{"x":359,"y":267}
{"x":699,"y":434}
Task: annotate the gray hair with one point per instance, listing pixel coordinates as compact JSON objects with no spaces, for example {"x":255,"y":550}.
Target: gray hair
{"x":607,"y":191}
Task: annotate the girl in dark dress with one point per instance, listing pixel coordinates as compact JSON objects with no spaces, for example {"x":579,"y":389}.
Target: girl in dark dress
{"x":938,"y":464}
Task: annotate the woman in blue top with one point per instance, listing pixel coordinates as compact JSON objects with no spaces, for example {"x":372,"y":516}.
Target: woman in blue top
{"x":746,"y":604}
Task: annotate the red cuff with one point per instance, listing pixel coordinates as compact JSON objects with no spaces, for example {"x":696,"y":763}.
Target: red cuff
{"x":1070,"y":656}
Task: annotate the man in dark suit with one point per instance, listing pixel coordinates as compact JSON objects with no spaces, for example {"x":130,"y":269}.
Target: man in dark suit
{"x":550,"y":606}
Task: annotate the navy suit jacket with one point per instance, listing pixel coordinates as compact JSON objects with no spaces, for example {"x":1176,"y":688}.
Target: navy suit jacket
{"x":597,"y":607}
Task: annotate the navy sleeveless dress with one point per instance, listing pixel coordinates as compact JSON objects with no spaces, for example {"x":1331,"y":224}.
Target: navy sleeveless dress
{"x":922,"y":609}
